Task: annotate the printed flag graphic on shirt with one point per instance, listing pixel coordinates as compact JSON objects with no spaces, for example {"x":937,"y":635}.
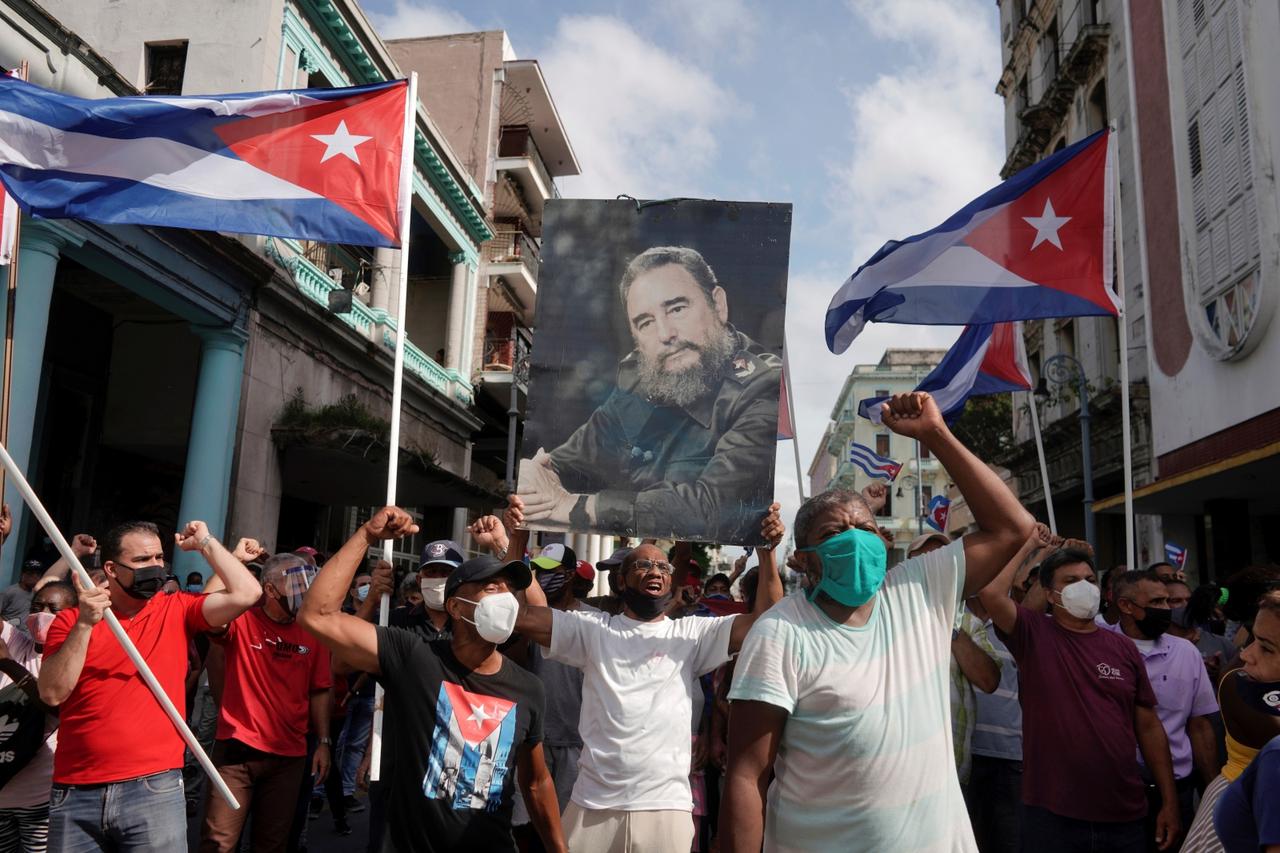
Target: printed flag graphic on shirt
{"x":312,"y":164}
{"x":986,"y":359}
{"x":939,"y":511}
{"x":471,"y":749}
{"x":1038,"y":245}
{"x":876,"y":466}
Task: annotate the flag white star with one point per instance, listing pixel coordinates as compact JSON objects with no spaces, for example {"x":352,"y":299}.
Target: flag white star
{"x":341,"y":141}
{"x":478,"y":714}
{"x":1047,"y":225}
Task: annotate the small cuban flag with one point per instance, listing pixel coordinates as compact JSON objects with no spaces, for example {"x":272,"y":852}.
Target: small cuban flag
{"x":939,"y":510}
{"x":1175,"y":554}
{"x":876,"y":466}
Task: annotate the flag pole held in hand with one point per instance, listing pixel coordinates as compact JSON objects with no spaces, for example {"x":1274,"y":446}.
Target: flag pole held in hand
{"x":64,"y":549}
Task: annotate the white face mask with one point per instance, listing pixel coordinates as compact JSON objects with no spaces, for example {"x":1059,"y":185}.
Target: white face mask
{"x":433,"y":592}
{"x":495,"y":616}
{"x":1081,"y":599}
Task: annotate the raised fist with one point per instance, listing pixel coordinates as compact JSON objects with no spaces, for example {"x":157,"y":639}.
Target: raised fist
{"x":192,"y":537}
{"x":912,"y":415}
{"x":390,"y":522}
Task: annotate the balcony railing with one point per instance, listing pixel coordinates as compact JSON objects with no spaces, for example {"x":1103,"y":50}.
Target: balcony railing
{"x":508,"y":354}
{"x":513,"y":246}
{"x":516,"y":141}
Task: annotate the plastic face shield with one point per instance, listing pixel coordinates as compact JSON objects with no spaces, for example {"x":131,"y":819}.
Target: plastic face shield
{"x":297,"y":580}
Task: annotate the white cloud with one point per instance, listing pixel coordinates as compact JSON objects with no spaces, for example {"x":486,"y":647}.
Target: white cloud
{"x":729,"y":27}
{"x":641,"y":120}
{"x":409,"y":19}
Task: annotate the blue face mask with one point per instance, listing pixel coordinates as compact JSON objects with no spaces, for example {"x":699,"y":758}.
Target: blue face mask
{"x":853,"y":567}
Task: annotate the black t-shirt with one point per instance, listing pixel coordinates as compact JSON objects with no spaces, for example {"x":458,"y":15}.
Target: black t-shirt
{"x":451,"y":772}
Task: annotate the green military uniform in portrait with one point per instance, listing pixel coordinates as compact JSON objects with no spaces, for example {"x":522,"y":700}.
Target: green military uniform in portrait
{"x":700,"y":471}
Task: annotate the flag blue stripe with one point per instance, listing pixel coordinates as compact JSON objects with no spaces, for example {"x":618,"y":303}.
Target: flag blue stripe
{"x":52,"y":194}
{"x":871,"y":472}
{"x":869,"y":454}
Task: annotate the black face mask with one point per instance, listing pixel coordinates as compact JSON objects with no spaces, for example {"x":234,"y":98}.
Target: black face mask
{"x":1154,"y":623}
{"x":147,"y":581}
{"x":645,"y":606}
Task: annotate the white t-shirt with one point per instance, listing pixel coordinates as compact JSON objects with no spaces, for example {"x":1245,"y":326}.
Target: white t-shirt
{"x":638,"y":685}
{"x":866,"y":760}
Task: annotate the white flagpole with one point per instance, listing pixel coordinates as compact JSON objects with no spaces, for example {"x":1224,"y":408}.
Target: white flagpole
{"x":1116,"y":239}
{"x":791,"y":413}
{"x":1044,"y":468}
{"x":397,"y":381}
{"x":64,"y":549}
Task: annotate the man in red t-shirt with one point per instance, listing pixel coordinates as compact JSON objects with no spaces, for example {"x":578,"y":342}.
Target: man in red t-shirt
{"x":278,"y":681}
{"x":1087,"y":706}
{"x":117,"y":777}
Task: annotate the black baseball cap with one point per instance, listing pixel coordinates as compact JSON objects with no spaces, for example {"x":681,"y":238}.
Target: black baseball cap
{"x":614,"y":560}
{"x":443,"y":551}
{"x":484,"y":567}
{"x":33,"y":567}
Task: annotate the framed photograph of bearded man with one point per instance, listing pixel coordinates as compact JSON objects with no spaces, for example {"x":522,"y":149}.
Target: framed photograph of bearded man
{"x":655,"y":369}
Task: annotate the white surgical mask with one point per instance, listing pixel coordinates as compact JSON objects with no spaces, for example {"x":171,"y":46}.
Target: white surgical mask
{"x":1081,"y":599}
{"x":362,"y":591}
{"x":495,"y":616}
{"x":433,"y":592}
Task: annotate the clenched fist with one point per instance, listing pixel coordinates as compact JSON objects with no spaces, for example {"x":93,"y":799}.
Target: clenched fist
{"x":913,"y":415}
{"x":390,"y":522}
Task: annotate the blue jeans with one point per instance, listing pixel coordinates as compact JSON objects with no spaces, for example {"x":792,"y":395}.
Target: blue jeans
{"x":352,"y":741}
{"x":1045,"y":832}
{"x":145,"y":814}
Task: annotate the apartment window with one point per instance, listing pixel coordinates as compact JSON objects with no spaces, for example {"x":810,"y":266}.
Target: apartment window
{"x":1098,"y":116}
{"x":1067,"y":338}
{"x":882,"y":444}
{"x":887,"y":511}
{"x":926,"y":495}
{"x":924,"y":451}
{"x":882,"y":392}
{"x":166,"y":64}
{"x":1049,"y":48}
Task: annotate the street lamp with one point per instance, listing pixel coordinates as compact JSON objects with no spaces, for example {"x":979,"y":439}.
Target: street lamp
{"x":1061,"y":370}
{"x":914,"y":482}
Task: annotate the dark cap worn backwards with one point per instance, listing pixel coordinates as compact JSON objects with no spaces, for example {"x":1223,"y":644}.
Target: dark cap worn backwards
{"x":614,"y":561}
{"x":484,"y":567}
{"x":443,"y":551}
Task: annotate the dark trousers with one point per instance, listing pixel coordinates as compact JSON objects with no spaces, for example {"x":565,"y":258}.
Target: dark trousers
{"x":1045,"y":832}
{"x":1186,"y":814}
{"x":265,"y":784}
{"x":994,"y":798}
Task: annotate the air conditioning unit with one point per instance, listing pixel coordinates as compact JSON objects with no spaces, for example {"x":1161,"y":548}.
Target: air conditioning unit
{"x":361,"y":289}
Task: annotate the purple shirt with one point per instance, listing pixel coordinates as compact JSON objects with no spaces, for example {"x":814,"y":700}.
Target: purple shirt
{"x":1182,"y":689}
{"x":1078,"y":694}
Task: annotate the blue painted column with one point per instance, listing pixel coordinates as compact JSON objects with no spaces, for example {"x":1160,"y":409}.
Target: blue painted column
{"x":207,"y":481}
{"x":39,"y":251}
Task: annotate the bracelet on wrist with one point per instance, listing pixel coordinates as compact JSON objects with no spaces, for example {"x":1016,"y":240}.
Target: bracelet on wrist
{"x":204,"y":543}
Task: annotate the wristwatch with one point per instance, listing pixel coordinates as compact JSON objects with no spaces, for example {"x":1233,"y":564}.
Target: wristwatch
{"x":324,"y":741}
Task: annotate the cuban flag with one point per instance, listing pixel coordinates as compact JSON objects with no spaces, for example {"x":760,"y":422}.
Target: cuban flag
{"x":877,"y":467}
{"x":939,"y":511}
{"x":1175,"y":554}
{"x":987,"y":359}
{"x":312,"y":164}
{"x":1038,"y":245}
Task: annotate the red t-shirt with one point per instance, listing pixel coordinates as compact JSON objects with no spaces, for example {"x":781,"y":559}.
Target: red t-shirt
{"x":271,"y":672}
{"x":1078,"y":693}
{"x":111,"y":727}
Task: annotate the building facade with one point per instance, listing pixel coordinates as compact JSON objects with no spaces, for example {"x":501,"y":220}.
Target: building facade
{"x":898,"y":371}
{"x":1185,"y":85}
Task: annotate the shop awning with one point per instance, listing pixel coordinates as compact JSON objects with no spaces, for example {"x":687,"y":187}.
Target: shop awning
{"x":349,"y":468}
{"x":1251,"y":476}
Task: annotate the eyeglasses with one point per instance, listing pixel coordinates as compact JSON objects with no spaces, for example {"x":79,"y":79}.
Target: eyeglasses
{"x":645,"y":565}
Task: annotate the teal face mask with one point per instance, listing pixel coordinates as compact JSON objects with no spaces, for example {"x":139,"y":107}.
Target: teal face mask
{"x":853,"y":567}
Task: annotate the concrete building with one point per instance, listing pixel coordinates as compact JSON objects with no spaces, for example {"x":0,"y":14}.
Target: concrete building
{"x":1185,"y":83}
{"x":1065,"y":78}
{"x":898,"y":371}
{"x":308,"y":388}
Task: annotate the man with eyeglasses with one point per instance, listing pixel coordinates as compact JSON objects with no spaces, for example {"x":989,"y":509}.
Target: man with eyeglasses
{"x":640,"y":677}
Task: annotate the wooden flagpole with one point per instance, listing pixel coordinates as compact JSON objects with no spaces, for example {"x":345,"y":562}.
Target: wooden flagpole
{"x":397,"y":383}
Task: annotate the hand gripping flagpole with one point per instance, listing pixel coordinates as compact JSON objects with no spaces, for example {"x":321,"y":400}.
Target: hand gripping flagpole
{"x":64,"y":549}
{"x":397,"y":382}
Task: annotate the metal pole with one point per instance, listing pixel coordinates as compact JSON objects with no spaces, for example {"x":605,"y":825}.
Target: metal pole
{"x":1126,"y":434}
{"x":113,"y":624}
{"x":397,"y":383}
{"x":513,"y":409}
{"x":1086,"y":456}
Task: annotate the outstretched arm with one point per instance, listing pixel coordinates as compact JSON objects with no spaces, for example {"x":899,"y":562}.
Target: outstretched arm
{"x":769,"y":585}
{"x":755,"y":730}
{"x":1003,"y":524}
{"x":534,"y":621}
{"x":350,"y":637}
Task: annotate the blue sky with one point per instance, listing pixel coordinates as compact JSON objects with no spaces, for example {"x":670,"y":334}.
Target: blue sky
{"x":874,"y":119}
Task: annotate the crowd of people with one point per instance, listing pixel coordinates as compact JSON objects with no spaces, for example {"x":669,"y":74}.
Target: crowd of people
{"x":990,"y":693}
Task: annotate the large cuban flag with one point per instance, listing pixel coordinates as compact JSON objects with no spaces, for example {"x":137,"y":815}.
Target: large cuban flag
{"x":312,"y":164}
{"x":986,"y":359}
{"x":1038,"y":245}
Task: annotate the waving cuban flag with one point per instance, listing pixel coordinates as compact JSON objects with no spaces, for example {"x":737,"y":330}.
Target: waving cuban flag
{"x":939,"y":511}
{"x":1038,"y":245}
{"x":312,"y":164}
{"x":986,"y":359}
{"x":875,"y":466}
